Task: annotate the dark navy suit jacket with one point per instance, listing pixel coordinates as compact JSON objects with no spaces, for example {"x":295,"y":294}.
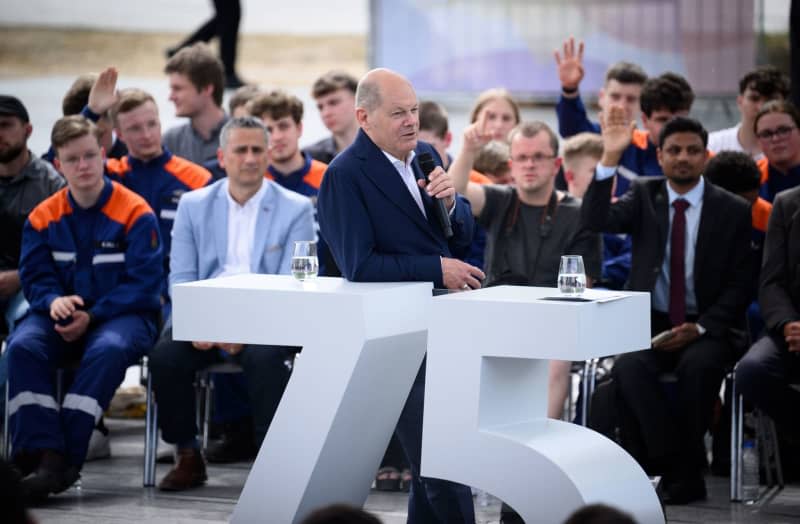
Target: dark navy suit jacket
{"x":373,"y":226}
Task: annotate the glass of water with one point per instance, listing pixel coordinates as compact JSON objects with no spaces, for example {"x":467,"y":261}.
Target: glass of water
{"x":304,"y":261}
{"x":571,"y":275}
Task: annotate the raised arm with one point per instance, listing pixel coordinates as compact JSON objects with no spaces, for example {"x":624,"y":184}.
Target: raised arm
{"x":476,"y":136}
{"x":571,"y":113}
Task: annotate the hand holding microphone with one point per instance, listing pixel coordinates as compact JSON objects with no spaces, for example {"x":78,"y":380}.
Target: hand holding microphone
{"x":439,"y":185}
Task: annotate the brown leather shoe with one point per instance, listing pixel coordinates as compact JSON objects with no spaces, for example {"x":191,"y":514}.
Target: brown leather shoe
{"x":189,"y":472}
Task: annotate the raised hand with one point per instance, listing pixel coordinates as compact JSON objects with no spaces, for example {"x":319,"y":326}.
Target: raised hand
{"x":570,"y":66}
{"x":477,"y":135}
{"x":104,"y":91}
{"x":616,"y":131}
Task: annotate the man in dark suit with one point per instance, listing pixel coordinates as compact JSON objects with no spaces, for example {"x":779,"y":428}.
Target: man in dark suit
{"x":691,"y":252}
{"x":381,"y":225}
{"x":763,"y":375}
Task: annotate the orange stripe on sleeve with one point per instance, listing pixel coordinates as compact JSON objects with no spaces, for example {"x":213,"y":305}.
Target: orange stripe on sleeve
{"x":761,"y":210}
{"x":763,"y":166}
{"x":315,"y":174}
{"x":118,"y":166}
{"x":191,"y":174}
{"x":639,"y":138}
{"x":124,"y":206}
{"x":479,"y":178}
{"x":51,"y":209}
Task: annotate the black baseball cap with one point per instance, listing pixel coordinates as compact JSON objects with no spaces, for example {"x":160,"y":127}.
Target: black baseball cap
{"x":11,"y":106}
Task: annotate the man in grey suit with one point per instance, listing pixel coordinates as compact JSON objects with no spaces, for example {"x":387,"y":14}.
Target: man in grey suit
{"x":691,"y":251}
{"x":241,"y":224}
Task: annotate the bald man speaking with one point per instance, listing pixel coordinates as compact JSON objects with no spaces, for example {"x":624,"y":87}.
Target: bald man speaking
{"x":379,"y":219}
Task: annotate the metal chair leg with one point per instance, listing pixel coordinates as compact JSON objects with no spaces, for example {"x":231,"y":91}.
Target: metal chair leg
{"x":737,"y":421}
{"x":150,"y":437}
{"x":207,"y":409}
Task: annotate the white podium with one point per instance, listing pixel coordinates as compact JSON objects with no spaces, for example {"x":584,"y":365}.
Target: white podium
{"x":362,"y":347}
{"x":485,"y":421}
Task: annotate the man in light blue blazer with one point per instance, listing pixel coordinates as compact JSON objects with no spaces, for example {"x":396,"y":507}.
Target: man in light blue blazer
{"x":241,"y":224}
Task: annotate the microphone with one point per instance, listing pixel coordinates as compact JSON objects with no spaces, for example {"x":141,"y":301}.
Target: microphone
{"x":427,"y":165}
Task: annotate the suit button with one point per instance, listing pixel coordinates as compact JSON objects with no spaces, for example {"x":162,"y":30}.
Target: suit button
{"x":656,"y":269}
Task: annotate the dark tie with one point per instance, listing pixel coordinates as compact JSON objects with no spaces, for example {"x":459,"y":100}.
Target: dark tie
{"x":677,"y":271}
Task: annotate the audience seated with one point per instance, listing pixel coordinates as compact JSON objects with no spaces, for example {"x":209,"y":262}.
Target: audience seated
{"x":91,"y":267}
{"x":219,"y":215}
{"x":335,"y":95}
{"x":149,"y":169}
{"x":756,"y":88}
{"x":690,"y":250}
{"x":777,"y":129}
{"x":196,"y":85}
{"x":765,"y":373}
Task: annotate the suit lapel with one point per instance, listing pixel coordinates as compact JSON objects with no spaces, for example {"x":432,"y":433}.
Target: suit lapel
{"x":661,"y":205}
{"x":386,"y":179}
{"x":264,"y":228}
{"x":220,"y":222}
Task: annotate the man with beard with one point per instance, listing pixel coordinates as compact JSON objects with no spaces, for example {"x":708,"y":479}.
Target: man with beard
{"x":25,"y":180}
{"x":691,"y":251}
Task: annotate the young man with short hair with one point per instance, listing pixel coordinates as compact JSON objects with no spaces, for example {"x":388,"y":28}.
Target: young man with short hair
{"x":196,"y":85}
{"x":756,"y":88}
{"x":91,"y":267}
{"x":334,"y":93}
{"x":149,"y":169}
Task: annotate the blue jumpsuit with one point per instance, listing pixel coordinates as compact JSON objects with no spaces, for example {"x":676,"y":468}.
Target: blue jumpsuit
{"x":111,"y":256}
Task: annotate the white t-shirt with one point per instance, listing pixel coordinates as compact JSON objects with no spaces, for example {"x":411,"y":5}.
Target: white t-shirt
{"x":727,"y":140}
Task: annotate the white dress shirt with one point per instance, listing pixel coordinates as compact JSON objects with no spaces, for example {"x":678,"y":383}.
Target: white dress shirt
{"x":241,"y":233}
{"x":406,"y":173}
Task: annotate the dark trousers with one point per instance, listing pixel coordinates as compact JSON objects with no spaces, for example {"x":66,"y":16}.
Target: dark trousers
{"x":173,"y":365}
{"x":430,"y":500}
{"x":673,"y":418}
{"x":225,"y":25}
{"x":763,"y":376}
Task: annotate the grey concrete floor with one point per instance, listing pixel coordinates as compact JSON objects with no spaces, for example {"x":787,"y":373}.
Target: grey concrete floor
{"x":111,"y":492}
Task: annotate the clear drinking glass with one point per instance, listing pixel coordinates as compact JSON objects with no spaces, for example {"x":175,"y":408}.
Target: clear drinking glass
{"x":571,"y":275}
{"x":304,"y":261}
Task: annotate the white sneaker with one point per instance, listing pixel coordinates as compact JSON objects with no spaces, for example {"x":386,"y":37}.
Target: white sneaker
{"x":99,"y":446}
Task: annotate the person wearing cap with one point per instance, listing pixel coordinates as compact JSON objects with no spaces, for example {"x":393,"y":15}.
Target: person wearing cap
{"x":25,"y":180}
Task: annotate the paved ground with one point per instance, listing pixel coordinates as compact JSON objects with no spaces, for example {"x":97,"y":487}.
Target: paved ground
{"x":111,"y":492}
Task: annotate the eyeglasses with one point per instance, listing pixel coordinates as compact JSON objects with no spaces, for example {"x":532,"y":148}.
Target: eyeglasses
{"x":778,"y":132}
{"x":538,"y":158}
